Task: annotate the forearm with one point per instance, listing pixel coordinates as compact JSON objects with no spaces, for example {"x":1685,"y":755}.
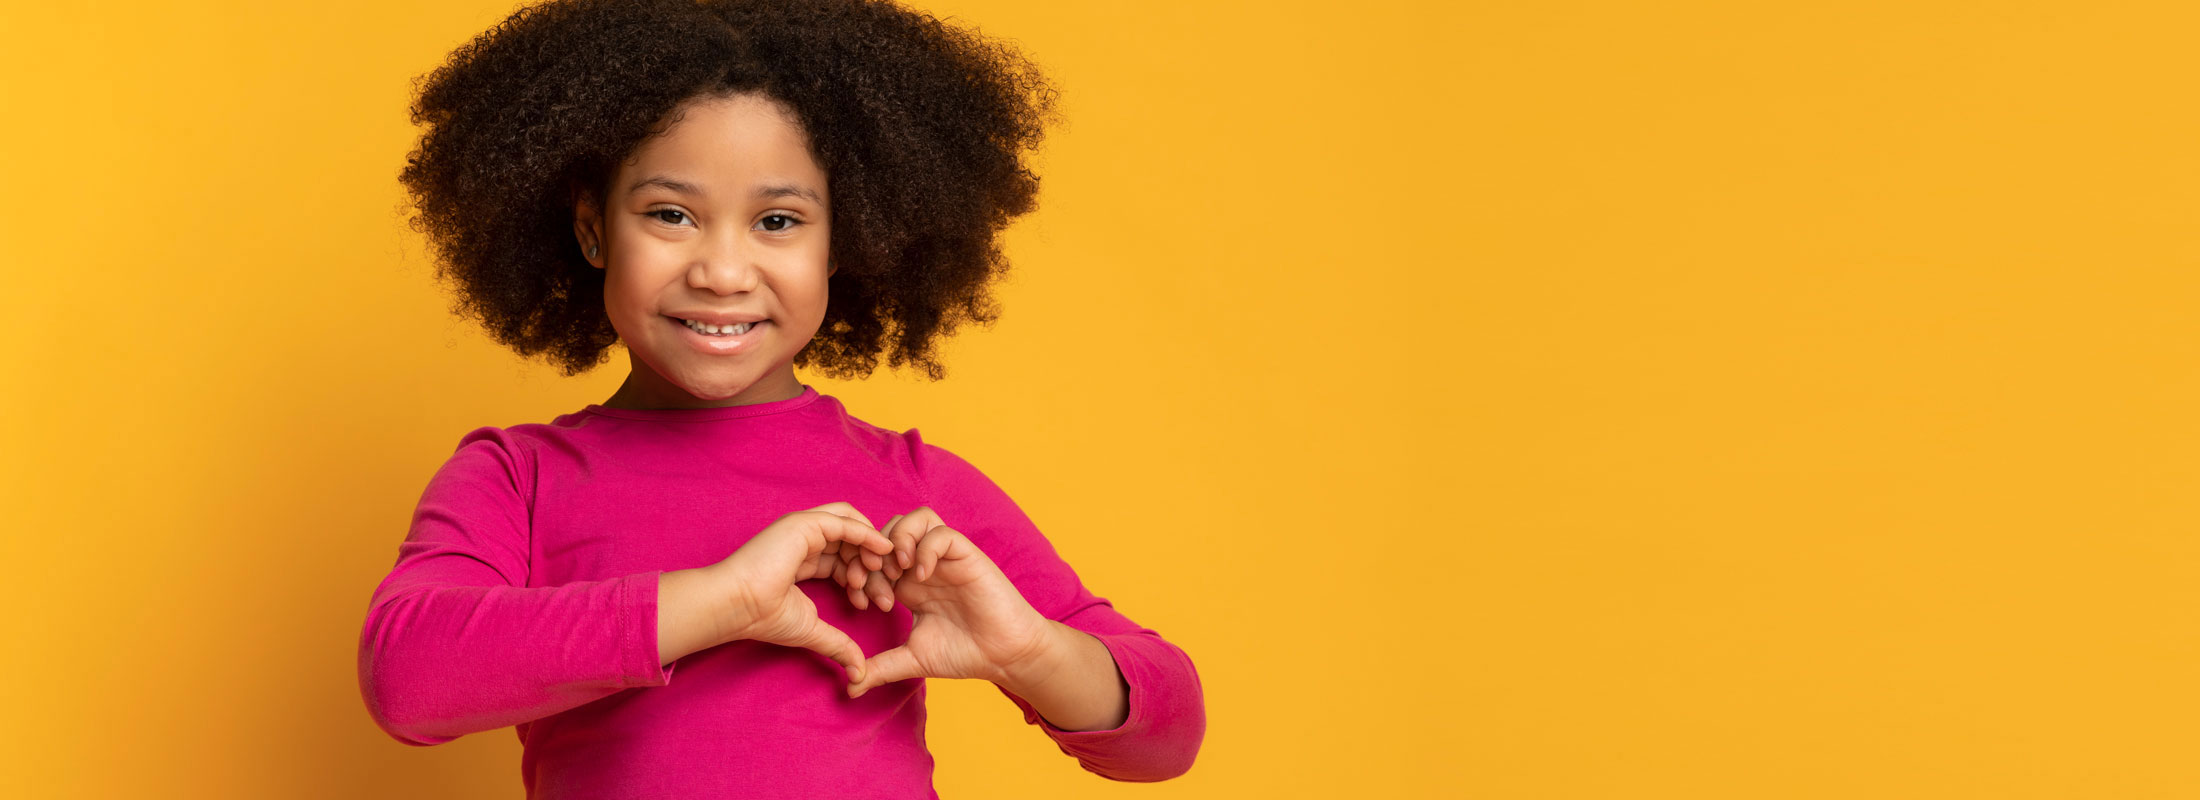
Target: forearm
{"x":1076,"y":686}
{"x":691,"y":606}
{"x":440,"y":657}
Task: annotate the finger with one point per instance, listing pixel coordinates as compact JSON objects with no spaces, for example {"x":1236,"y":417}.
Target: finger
{"x":887,"y":530}
{"x":822,"y":529}
{"x":893,"y":571}
{"x":823,"y":566}
{"x":876,"y":561}
{"x":905,"y":544}
{"x":935,"y":545}
{"x":849,"y":529}
{"x":926,"y":521}
{"x":856,"y":595}
{"x":881,"y":592}
{"x":883,"y":668}
{"x":837,"y":533}
{"x":890,"y":531}
{"x":830,"y":642}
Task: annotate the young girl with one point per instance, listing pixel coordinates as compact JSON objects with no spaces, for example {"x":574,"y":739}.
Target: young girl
{"x":681,"y":592}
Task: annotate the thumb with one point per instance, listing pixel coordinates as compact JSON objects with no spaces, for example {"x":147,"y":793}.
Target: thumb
{"x":832,"y":643}
{"x":886,"y":667}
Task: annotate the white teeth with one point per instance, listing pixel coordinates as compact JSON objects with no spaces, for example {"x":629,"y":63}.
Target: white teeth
{"x":716,"y":330}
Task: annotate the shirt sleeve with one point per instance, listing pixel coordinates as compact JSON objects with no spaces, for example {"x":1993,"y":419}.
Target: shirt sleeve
{"x":456,"y":642}
{"x":1161,"y":736}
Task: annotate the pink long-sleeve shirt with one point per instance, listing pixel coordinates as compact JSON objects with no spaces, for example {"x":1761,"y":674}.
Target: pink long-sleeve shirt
{"x":525,"y":594}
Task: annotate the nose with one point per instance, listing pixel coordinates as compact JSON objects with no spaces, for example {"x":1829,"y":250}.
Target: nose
{"x":726,"y":266}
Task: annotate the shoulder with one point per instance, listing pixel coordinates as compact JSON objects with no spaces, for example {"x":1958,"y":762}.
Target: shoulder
{"x":951,"y":483}
{"x":505,"y":453}
{"x":928,"y":467}
{"x":527,"y":438}
{"x":515,"y":441}
{"x":937,"y":472}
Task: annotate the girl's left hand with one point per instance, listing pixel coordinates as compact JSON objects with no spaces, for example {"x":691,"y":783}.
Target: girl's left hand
{"x":971,"y":622}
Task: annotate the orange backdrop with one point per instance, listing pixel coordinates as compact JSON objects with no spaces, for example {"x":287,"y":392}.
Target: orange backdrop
{"x":1521,"y":400}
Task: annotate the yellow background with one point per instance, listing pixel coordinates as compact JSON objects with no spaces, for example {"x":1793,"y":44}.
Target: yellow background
{"x":1512,"y":400}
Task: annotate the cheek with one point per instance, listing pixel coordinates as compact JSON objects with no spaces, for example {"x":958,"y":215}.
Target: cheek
{"x":617,"y":300}
{"x":812,"y":304}
{"x":628,"y":307}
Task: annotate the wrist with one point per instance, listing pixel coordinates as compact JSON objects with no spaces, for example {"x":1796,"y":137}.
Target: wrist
{"x":1058,"y":646}
{"x":730,"y":608}
{"x":1076,"y":686}
{"x":692,"y":612}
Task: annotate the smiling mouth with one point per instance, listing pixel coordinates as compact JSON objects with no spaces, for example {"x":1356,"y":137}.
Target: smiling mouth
{"x":721,"y":331}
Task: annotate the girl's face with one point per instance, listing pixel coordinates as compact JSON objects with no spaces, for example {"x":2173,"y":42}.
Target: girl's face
{"x":721,"y":219}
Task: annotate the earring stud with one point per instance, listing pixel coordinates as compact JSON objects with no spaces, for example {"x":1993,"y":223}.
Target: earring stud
{"x":592,"y":251}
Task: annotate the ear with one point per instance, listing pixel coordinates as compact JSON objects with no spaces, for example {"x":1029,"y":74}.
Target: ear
{"x":588,"y":229}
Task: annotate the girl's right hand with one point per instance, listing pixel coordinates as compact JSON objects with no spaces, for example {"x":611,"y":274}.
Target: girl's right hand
{"x":822,"y":542}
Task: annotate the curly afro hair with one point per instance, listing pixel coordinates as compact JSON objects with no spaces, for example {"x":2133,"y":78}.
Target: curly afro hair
{"x":920,"y":129}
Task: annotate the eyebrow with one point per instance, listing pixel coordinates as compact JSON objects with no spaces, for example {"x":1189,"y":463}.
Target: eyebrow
{"x":765,"y":192}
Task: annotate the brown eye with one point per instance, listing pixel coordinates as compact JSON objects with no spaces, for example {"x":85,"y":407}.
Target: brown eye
{"x":683,"y":214}
{"x":790,"y":222}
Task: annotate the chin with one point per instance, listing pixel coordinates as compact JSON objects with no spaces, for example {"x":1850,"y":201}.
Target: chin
{"x":714,"y":391}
